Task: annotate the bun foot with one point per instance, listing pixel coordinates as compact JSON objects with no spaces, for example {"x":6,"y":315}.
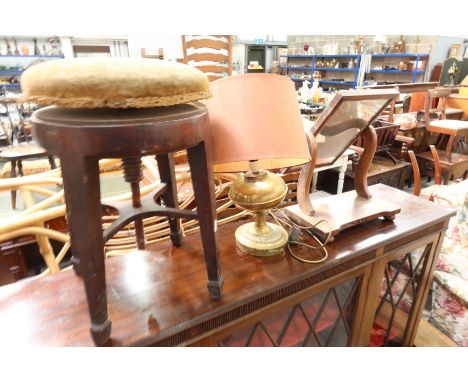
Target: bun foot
{"x":389,"y":218}
{"x":176,"y":238}
{"x":101,"y":332}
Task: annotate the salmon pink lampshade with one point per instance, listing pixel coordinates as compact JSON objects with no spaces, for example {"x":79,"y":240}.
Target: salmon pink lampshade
{"x":256,"y":117}
{"x":255,"y":125}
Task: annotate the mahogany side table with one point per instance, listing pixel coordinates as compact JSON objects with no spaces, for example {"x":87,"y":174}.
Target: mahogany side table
{"x":80,"y":137}
{"x":375,"y":281}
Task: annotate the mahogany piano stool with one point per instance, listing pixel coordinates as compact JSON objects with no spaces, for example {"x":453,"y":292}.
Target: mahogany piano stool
{"x":160,"y":299}
{"x":80,"y":137}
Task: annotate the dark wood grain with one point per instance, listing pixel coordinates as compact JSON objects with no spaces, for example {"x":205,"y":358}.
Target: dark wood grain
{"x":160,"y":297}
{"x":84,"y":219}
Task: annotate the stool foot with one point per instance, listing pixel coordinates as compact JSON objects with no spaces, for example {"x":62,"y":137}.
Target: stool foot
{"x":101,"y":332}
{"x":76,"y":265}
{"x":215,"y":287}
{"x":176,"y":238}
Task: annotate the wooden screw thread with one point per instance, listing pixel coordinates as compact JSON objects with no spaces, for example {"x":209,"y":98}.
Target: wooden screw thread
{"x":133,"y":174}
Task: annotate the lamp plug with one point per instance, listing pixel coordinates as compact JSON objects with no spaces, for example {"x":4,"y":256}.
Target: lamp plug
{"x":294,"y":235}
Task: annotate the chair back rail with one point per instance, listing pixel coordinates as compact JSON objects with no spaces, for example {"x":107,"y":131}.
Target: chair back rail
{"x":212,"y":54}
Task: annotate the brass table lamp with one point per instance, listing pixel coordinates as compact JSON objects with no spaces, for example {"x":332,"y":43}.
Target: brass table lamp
{"x":255,"y":125}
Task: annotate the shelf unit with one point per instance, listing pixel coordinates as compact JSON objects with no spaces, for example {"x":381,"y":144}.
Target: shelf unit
{"x":29,"y":56}
{"x":418,"y":57}
{"x":311,"y":65}
{"x":308,"y":63}
{"x":20,"y":61}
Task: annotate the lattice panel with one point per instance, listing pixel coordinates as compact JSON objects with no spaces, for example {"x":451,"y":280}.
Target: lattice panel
{"x":322,"y":320}
{"x":398,"y":293}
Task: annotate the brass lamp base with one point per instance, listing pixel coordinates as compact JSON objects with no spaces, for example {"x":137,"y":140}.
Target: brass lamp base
{"x":265,"y":241}
{"x":258,"y":191}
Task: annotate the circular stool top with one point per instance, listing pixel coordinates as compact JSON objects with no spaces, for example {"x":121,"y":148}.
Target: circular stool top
{"x":115,"y":133}
{"x":113,"y":82}
{"x":449,"y":126}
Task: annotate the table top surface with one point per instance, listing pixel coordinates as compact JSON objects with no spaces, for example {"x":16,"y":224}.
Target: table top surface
{"x":22,"y":151}
{"x":153,"y":295}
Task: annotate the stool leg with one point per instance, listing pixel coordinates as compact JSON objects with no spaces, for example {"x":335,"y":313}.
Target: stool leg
{"x":20,"y":168}
{"x":203,"y":187}
{"x":52,"y":163}
{"x":167,"y":175}
{"x":13,"y":175}
{"x":133,"y":174}
{"x":81,"y":185}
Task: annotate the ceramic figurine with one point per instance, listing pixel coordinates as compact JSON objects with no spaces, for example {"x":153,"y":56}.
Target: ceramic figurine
{"x":37,"y":52}
{"x":55,"y":46}
{"x":304,"y":91}
{"x":315,"y":91}
{"x":8,"y":52}
{"x":16,"y":52}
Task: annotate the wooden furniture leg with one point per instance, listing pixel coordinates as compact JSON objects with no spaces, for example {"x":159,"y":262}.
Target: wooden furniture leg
{"x":203,"y":188}
{"x":341,"y":176}
{"x":305,"y":178}
{"x":169,"y":197}
{"x":53,"y":165}
{"x":362,"y":170}
{"x":82,"y":188}
{"x":133,"y":174}
{"x":13,"y":175}
{"x":314,"y":181}
{"x":20,"y":167}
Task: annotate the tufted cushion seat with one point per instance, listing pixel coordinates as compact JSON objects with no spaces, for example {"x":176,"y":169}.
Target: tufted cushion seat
{"x":113,"y":82}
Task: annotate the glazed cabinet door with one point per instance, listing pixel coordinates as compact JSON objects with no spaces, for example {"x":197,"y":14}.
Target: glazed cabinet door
{"x":322,"y":315}
{"x":398,"y":288}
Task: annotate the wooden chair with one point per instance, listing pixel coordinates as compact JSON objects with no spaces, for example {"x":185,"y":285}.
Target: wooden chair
{"x":427,"y":192}
{"x":444,"y":132}
{"x":159,"y":56}
{"x":210,"y":54}
{"x":388,"y":139}
{"x":34,"y":219}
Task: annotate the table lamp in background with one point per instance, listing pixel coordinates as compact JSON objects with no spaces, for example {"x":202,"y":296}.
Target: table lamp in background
{"x":255,"y":125}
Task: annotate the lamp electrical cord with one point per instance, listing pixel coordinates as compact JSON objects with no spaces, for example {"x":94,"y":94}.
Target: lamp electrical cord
{"x":294,"y":231}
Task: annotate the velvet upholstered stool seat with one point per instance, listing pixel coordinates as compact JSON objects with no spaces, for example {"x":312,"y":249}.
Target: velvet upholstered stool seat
{"x":124,"y":108}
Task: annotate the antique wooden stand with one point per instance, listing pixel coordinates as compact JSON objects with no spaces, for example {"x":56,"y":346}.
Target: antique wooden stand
{"x":341,"y":211}
{"x":335,"y":130}
{"x":80,"y":137}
